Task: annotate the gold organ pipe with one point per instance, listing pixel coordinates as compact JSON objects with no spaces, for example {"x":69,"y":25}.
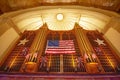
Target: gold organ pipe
{"x":42,"y":38}
{"x":85,"y":40}
{"x":73,"y":62}
{"x":82,"y":40}
{"x":13,"y":61}
{"x":49,"y":63}
{"x":39,"y":40}
{"x":80,"y":43}
{"x":84,"y":43}
{"x":32,"y":49}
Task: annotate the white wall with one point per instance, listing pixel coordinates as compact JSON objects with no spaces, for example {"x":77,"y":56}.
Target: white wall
{"x":6,"y":41}
{"x":114,"y":37}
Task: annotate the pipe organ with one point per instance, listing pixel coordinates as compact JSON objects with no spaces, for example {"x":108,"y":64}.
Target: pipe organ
{"x":29,"y":53}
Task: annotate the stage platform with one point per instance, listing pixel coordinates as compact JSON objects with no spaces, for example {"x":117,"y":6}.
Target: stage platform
{"x":47,"y":76}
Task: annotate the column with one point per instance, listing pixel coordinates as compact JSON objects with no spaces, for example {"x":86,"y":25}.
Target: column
{"x":36,"y":48}
{"x":61,"y":57}
{"x":86,"y":49}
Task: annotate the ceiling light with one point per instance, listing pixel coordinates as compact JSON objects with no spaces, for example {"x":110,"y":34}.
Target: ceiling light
{"x":59,"y":16}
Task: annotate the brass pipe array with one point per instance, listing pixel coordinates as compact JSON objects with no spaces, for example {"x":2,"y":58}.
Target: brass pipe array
{"x":84,"y":44}
{"x":36,"y":48}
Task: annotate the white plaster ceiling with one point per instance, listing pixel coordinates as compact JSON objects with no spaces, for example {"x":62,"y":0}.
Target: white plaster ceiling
{"x":34,"y":19}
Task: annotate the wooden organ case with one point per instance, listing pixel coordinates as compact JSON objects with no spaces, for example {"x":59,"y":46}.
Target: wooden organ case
{"x":97,"y":56}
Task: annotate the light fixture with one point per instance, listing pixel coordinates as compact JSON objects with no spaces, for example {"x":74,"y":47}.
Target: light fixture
{"x":59,"y":16}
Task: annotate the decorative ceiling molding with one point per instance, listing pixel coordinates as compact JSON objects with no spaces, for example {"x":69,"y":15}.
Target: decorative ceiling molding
{"x":13,"y":5}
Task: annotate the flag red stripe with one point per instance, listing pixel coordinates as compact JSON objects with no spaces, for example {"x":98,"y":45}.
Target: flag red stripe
{"x":59,"y":52}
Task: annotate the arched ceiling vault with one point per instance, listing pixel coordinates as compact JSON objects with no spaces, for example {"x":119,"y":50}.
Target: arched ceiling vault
{"x":87,"y":19}
{"x":34,"y":18}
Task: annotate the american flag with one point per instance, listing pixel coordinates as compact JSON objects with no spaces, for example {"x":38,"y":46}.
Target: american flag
{"x":60,"y":47}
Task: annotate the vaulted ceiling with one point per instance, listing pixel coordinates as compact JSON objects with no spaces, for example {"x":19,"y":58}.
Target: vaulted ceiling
{"x":32,"y":14}
{"x":32,"y":20}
